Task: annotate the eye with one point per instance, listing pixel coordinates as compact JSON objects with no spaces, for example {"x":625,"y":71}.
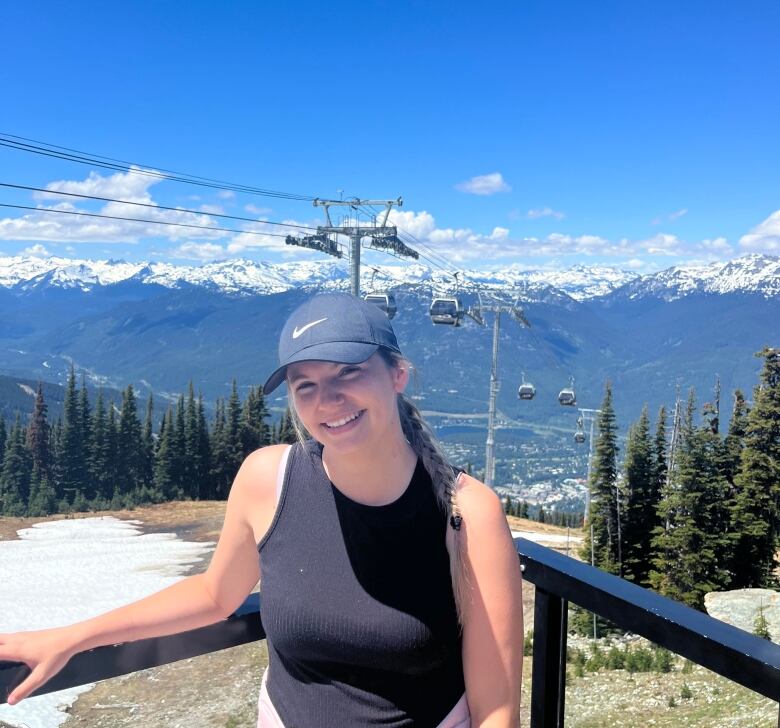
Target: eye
{"x":348,"y":370}
{"x":304,"y":386}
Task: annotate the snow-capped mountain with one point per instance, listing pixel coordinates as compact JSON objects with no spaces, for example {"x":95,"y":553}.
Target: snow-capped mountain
{"x":752,"y":273}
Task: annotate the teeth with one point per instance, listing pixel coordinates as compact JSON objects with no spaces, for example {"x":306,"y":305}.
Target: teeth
{"x":340,"y":423}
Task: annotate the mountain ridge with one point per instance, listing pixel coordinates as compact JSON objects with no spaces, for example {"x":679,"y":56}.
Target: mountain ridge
{"x":753,"y":273}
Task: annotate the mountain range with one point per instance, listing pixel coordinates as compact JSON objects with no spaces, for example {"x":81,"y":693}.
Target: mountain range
{"x":158,"y":325}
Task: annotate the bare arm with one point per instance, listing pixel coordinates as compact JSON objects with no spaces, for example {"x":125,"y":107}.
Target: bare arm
{"x":191,"y":603}
{"x":493,"y":614}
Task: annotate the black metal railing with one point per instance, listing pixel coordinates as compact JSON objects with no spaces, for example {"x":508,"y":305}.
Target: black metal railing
{"x":726,"y":650}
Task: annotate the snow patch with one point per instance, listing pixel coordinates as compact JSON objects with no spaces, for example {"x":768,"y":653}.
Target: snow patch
{"x":65,"y":571}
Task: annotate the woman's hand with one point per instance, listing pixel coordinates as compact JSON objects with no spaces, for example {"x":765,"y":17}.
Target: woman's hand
{"x":44,"y":651}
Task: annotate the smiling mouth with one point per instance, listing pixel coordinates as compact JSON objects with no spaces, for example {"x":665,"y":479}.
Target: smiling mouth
{"x":344,"y":421}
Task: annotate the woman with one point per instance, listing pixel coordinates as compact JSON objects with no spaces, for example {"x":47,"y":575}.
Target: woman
{"x":391,"y":590}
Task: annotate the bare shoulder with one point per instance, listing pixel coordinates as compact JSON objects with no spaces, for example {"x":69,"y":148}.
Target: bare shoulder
{"x":479,"y":505}
{"x":253,"y":494}
{"x":258,"y":472}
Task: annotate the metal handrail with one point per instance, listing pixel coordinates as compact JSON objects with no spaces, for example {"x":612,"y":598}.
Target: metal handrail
{"x":726,"y":650}
{"x":101,"y":663}
{"x":720,"y":647}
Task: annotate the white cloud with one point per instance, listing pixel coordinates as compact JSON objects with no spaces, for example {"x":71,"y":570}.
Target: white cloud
{"x":671,"y":217}
{"x":544,"y":212}
{"x":42,"y":225}
{"x":121,"y":186}
{"x":719,"y":246}
{"x":37,"y":251}
{"x":255,"y":210}
{"x":661,"y":244}
{"x":765,"y":237}
{"x":486,"y":184}
{"x":212,"y":209}
{"x":198,"y":251}
{"x":270,"y":237}
{"x":226,"y":194}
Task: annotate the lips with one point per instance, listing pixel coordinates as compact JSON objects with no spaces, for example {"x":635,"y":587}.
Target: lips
{"x":343,"y":421}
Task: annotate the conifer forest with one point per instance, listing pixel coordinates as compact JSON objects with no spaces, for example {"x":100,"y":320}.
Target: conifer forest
{"x":98,"y":456}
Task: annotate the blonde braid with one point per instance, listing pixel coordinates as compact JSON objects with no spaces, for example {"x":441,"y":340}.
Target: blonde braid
{"x":424,"y":443}
{"x":444,"y":480}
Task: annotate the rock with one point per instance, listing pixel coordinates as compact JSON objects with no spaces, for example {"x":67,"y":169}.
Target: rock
{"x":739,"y":607}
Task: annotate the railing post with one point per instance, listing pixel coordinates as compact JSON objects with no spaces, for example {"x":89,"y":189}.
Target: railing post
{"x":548,"y":679}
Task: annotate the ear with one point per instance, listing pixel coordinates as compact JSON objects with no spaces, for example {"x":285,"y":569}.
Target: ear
{"x":400,"y":377}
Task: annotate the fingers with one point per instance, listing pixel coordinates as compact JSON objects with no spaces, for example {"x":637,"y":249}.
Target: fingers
{"x":34,"y":680}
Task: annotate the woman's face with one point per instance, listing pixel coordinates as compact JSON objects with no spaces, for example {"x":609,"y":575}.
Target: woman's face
{"x":348,"y":406}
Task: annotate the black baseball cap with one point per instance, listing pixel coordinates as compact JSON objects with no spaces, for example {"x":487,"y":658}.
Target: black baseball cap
{"x":335,"y":327}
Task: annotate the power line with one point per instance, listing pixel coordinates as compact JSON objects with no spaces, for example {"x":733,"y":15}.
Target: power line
{"x":138,"y":219}
{"x":33,"y":146}
{"x":154,"y":207}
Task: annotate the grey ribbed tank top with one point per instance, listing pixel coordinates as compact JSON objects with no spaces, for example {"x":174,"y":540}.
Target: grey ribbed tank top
{"x":357,"y":605}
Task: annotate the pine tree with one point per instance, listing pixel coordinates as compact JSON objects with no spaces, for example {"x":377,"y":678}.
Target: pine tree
{"x":112,"y":449}
{"x":605,"y":499}
{"x":254,"y":430}
{"x":756,"y":513}
{"x":761,"y":625}
{"x":179,"y":445}
{"x":99,"y":460}
{"x":233,"y":432}
{"x":16,"y":473}
{"x":642,"y":498}
{"x":192,"y":455}
{"x":72,"y":461}
{"x":660,"y":454}
{"x":43,"y":500}
{"x":39,"y":437}
{"x":286,"y":433}
{"x":129,"y":455}
{"x":205,"y":488}
{"x":166,"y":475}
{"x":3,"y":435}
{"x":90,"y":488}
{"x":147,"y":446}
{"x":692,"y":547}
{"x":735,"y":438}
{"x":221,"y":460}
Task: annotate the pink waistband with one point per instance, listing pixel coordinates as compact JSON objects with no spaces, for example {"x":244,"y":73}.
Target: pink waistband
{"x":267,"y":717}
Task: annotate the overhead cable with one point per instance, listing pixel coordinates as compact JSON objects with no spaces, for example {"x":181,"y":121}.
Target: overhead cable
{"x":138,"y":219}
{"x":33,"y":146}
{"x":154,"y":207}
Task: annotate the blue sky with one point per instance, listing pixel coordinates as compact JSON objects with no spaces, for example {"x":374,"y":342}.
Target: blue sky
{"x":639,"y":134}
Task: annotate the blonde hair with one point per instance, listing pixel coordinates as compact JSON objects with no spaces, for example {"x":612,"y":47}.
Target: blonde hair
{"x":443,"y":476}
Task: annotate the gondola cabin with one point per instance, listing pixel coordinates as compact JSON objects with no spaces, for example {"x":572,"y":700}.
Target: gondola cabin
{"x":385,"y":301}
{"x":579,"y":437}
{"x":567,"y":397}
{"x":526,"y":391}
{"x":448,"y":311}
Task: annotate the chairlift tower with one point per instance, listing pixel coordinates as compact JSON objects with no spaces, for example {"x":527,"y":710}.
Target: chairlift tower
{"x":381,"y":235}
{"x":517,"y":314}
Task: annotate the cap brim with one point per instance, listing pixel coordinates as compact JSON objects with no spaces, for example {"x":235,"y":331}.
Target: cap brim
{"x":341,"y":352}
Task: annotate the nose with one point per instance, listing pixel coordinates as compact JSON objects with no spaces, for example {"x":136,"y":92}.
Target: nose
{"x":330,"y":395}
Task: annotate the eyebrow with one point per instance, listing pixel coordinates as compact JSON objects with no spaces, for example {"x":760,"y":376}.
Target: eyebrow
{"x":333,"y":364}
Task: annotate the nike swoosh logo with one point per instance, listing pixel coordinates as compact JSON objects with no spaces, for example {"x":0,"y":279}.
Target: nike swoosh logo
{"x":298,"y":331}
